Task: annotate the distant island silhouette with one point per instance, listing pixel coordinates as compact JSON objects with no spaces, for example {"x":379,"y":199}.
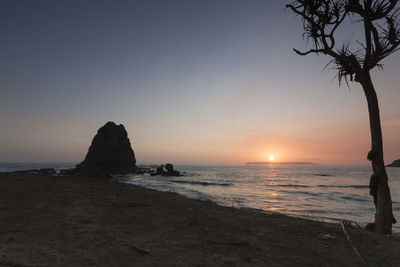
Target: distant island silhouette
{"x":395,"y":163}
{"x":281,"y":162}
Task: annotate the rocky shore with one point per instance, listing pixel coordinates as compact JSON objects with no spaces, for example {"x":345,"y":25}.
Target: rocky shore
{"x":52,"y":220}
{"x":395,"y":163}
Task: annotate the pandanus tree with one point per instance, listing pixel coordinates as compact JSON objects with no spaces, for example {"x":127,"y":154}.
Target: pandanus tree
{"x":322,"y":20}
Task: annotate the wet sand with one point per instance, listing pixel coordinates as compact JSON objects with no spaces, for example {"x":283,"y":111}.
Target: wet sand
{"x":50,"y":220}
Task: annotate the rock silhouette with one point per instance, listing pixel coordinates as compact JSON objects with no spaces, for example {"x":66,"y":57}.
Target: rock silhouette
{"x":168,"y":171}
{"x":395,"y":163}
{"x":110,"y":152}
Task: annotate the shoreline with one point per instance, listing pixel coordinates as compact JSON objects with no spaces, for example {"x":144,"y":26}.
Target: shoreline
{"x":251,"y":209}
{"x":77,"y":220}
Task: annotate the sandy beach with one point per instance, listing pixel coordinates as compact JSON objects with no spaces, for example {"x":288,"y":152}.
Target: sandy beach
{"x":81,"y":221}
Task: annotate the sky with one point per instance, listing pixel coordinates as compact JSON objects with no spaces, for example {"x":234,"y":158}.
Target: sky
{"x":192,"y":81}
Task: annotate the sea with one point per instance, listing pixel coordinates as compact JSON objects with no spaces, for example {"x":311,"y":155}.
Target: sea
{"x":319,"y":192}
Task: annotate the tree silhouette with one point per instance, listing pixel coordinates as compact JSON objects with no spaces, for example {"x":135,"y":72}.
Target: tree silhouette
{"x":354,"y":61}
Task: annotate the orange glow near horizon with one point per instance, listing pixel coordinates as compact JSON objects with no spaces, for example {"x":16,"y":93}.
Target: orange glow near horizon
{"x":271,"y":158}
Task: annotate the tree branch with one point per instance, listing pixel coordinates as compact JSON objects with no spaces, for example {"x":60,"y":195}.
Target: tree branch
{"x":316,"y":51}
{"x":321,"y":19}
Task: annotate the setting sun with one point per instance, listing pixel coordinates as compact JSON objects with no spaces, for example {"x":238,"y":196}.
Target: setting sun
{"x":271,"y":158}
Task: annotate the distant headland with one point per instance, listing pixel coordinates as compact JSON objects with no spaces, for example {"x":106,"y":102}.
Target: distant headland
{"x":395,"y":163}
{"x":281,"y":162}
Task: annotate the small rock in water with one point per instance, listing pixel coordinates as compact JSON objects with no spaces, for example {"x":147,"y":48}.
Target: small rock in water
{"x":171,"y":171}
{"x":395,"y":163}
{"x":167,"y":170}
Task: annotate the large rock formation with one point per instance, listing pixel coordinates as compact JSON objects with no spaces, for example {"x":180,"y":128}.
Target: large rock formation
{"x":110,"y":152}
{"x":395,"y":163}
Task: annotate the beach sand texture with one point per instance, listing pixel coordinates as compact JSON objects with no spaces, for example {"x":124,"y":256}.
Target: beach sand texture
{"x":81,"y":221}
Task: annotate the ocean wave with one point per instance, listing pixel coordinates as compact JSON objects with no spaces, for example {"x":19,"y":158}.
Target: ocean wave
{"x":353,"y":198}
{"x":315,"y":211}
{"x":344,"y":186}
{"x":300,"y":192}
{"x":167,"y":188}
{"x":200,"y":183}
{"x":322,"y":186}
{"x":293,"y":185}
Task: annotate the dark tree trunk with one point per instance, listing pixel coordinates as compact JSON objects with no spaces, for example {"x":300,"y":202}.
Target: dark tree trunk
{"x":379,"y":180}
